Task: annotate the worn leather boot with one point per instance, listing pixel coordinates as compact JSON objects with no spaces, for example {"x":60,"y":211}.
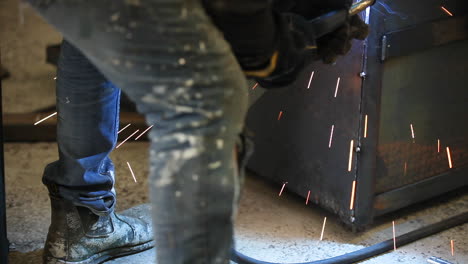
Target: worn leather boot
{"x":78,"y":236}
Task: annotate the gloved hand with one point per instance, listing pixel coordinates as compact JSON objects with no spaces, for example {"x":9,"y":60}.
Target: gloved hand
{"x":295,"y":46}
{"x":339,"y":42}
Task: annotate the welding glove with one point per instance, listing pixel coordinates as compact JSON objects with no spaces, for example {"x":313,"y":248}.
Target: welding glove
{"x":294,"y":47}
{"x":336,"y":43}
{"x":339,"y":42}
{"x":270,"y":47}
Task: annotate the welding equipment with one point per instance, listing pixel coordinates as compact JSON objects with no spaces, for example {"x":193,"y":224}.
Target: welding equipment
{"x":377,"y":119}
{"x":386,"y":98}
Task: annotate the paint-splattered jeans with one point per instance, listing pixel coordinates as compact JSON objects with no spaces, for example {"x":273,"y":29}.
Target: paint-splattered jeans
{"x":170,"y":59}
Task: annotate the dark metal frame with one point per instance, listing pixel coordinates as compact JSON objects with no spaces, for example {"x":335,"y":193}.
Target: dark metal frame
{"x":380,"y":47}
{"x":300,"y":173}
{"x":420,"y":191}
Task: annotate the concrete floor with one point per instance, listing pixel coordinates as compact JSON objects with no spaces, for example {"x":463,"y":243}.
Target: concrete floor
{"x":271,"y":228}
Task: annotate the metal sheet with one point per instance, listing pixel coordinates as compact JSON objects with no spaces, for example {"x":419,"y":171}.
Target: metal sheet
{"x":400,"y":14}
{"x":295,"y":148}
{"x":425,"y":93}
{"x":420,"y":191}
{"x":424,"y":36}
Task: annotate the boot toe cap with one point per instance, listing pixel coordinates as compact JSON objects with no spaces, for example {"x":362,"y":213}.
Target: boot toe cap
{"x":139,"y":217}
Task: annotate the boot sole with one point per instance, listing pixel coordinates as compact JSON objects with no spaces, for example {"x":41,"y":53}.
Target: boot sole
{"x":105,"y":255}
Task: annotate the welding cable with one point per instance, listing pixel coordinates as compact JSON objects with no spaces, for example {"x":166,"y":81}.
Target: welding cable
{"x":373,"y":250}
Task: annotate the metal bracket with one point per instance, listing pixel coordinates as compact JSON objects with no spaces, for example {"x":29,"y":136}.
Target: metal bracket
{"x":424,"y":36}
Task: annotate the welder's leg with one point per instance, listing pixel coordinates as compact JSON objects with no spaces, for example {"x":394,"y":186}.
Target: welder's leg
{"x":88,"y":119}
{"x":170,"y":59}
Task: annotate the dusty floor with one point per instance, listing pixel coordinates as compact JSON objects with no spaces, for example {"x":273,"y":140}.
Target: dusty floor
{"x":271,"y":228}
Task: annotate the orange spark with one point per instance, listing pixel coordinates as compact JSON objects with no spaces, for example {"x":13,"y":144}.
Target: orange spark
{"x":131,"y":171}
{"x":337,"y":84}
{"x":255,"y":86}
{"x":121,"y":143}
{"x":449,"y":157}
{"x":282,"y":188}
{"x":350,"y":155}
{"x":452,"y":247}
{"x":323,"y":228}
{"x":394,"y":238}
{"x":446,"y":11}
{"x":308,"y":195}
{"x":279,"y":115}
{"x":331,"y":136}
{"x":123,"y":128}
{"x":353,"y":191}
{"x":412,"y":131}
{"x":310,"y":80}
{"x":144,"y":132}
{"x":365,"y":127}
{"x":47,"y":117}
{"x":438,"y":145}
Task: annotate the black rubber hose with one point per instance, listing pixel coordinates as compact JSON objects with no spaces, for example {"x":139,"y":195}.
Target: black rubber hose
{"x":373,"y":250}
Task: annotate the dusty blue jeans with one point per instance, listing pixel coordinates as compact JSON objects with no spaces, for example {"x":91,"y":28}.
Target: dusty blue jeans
{"x":174,"y":64}
{"x":88,"y":120}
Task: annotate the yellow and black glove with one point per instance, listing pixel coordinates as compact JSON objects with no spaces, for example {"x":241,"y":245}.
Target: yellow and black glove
{"x":295,"y":47}
{"x":270,"y":46}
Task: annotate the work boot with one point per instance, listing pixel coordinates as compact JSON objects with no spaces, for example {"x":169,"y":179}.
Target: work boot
{"x":78,"y":236}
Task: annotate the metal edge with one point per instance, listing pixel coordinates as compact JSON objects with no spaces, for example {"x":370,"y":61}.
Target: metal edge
{"x":420,"y":191}
{"x":370,"y":105}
